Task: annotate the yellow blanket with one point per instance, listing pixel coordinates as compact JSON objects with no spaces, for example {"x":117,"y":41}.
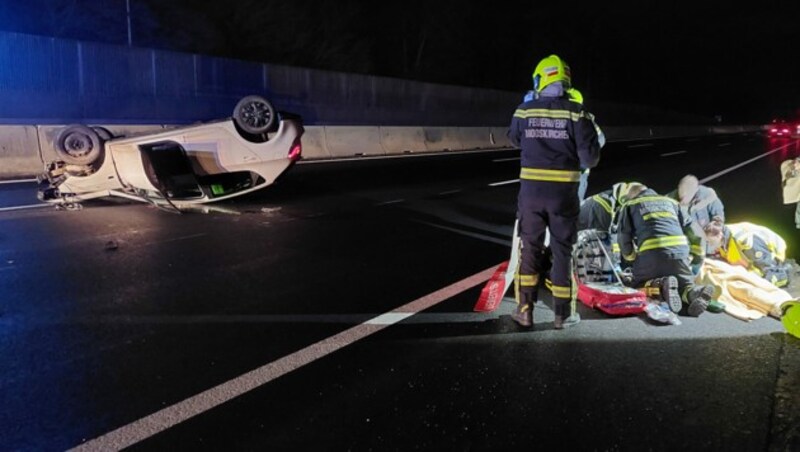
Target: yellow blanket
{"x":746,"y":295}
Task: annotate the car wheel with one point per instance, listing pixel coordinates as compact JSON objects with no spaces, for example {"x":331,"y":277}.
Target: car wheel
{"x":103,"y":133}
{"x":79,"y":145}
{"x":254,"y":114}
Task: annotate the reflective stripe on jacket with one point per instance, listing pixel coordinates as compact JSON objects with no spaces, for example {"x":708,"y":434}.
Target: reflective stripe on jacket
{"x":597,"y":212}
{"x":652,"y":222}
{"x":556,"y":137}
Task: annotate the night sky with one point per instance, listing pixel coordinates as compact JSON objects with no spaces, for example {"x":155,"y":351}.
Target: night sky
{"x":702,"y":57}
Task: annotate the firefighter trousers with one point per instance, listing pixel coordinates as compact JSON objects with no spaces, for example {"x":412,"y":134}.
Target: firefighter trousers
{"x":653,"y":264}
{"x":543,"y":206}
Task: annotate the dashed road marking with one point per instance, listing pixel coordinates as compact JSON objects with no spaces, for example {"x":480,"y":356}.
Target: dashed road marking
{"x":170,"y":416}
{"x":505,"y":182}
{"x":17,"y":181}
{"x":667,"y":154}
{"x":29,"y":206}
{"x":746,"y":162}
{"x":393,"y":201}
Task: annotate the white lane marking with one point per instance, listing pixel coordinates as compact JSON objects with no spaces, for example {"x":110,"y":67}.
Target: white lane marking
{"x":389,"y":318}
{"x":505,"y":182}
{"x":673,"y":153}
{"x":450,"y":192}
{"x":722,"y":145}
{"x":18,"y":181}
{"x":644,"y":145}
{"x":746,"y":162}
{"x":170,"y":416}
{"x":394,"y":201}
{"x":505,"y":160}
{"x":29,"y":206}
{"x":474,"y":235}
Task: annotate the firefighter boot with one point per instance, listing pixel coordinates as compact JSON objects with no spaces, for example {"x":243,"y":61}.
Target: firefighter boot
{"x":667,"y":290}
{"x":698,"y":298}
{"x":562,"y":312}
{"x":523,"y":313}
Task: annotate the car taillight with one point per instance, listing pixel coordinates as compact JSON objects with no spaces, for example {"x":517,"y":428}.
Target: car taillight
{"x":296,"y":150}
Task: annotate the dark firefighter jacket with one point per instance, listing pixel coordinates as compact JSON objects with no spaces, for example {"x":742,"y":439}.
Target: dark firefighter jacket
{"x":652,"y":222}
{"x":557,"y":138}
{"x":597,"y":212}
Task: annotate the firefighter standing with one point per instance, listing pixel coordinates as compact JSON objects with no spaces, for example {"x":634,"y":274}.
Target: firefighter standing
{"x":557,"y":138}
{"x":652,"y":236}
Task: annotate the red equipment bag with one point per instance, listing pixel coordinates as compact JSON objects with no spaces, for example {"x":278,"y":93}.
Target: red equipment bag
{"x":494,"y":290}
{"x":612,"y":298}
{"x":594,"y":270}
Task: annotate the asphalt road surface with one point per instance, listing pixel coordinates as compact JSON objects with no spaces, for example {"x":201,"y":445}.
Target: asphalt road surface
{"x":333,"y":311}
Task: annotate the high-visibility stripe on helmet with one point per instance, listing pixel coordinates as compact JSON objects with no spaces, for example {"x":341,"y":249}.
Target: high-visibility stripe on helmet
{"x":549,"y":175}
{"x":664,"y":242}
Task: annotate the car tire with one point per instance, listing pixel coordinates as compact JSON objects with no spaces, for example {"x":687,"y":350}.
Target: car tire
{"x":254,"y":115}
{"x":79,"y":145}
{"x":103,"y":133}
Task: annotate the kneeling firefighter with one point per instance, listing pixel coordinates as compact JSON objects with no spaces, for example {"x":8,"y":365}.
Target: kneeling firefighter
{"x":557,"y":138}
{"x":652,"y":237}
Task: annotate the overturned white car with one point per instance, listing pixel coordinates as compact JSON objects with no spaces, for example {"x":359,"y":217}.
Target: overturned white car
{"x":188,"y":165}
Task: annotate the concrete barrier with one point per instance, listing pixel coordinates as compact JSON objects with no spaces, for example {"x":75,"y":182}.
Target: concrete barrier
{"x":498,"y":136}
{"x":24,"y":149}
{"x":403,"y":140}
{"x":474,"y":137}
{"x":353,"y":141}
{"x":19,"y":151}
{"x":314,"y":143}
{"x":441,"y":138}
{"x":627,"y":133}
